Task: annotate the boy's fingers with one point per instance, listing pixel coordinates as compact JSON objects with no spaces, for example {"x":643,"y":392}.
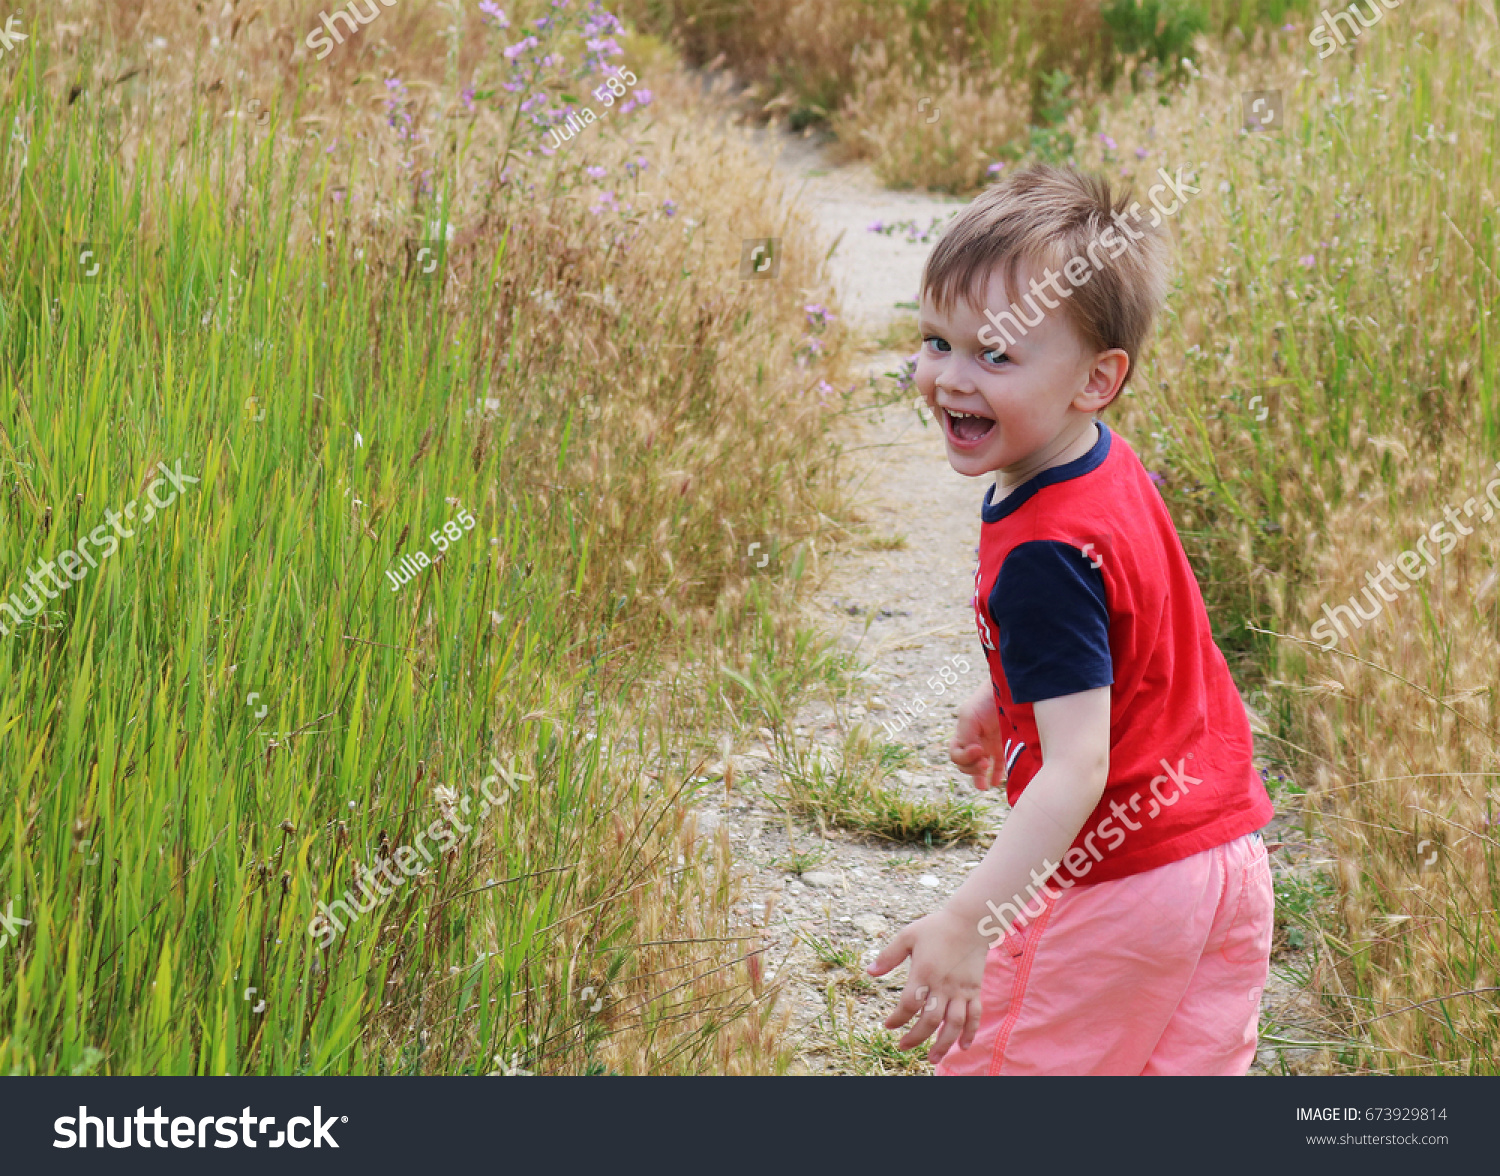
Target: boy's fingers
{"x":927,"y":1023}
{"x":971,"y":1026}
{"x":971,"y":761}
{"x":914,"y":1000}
{"x":978,"y":765}
{"x":954,"y":1021}
{"x":908,"y":1006}
{"x":890,"y":955}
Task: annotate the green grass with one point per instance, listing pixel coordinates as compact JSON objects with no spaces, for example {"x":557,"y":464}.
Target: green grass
{"x":1301,"y":906}
{"x":852,"y":793}
{"x":855,"y":1051}
{"x":799,"y":861}
{"x":832,"y":955}
{"x":169,"y":842}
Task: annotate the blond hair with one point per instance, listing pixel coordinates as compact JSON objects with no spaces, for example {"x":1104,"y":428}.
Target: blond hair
{"x":1048,"y":216}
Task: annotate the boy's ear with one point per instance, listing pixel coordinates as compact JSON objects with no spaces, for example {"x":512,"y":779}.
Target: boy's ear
{"x":1104,"y":382}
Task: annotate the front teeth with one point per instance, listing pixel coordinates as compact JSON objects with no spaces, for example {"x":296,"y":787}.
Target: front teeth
{"x":960,"y":416}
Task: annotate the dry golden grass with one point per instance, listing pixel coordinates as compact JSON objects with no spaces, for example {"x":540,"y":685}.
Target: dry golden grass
{"x":1001,"y":72}
{"x":1343,"y":271}
{"x":940,"y":132}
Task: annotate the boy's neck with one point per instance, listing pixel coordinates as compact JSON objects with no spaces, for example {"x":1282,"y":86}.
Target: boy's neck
{"x":1023,"y":472}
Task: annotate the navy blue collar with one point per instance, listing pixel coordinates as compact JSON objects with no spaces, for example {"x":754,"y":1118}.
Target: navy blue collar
{"x":1092,"y":460}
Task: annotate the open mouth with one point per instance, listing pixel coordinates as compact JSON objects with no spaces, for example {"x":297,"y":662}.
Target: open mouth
{"x":967,"y":428}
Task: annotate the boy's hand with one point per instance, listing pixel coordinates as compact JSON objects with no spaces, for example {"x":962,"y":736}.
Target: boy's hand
{"x":942,"y":984}
{"x":976,"y":749}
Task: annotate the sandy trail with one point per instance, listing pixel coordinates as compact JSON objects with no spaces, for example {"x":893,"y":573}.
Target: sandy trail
{"x":904,"y":613}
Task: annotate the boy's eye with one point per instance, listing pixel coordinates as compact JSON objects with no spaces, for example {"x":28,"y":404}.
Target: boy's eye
{"x":994,"y":356}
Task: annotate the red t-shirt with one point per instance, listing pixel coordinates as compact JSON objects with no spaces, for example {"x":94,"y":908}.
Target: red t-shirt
{"x":1082,"y":582}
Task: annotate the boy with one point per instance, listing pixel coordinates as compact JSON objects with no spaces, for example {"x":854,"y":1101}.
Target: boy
{"x":1111,"y":714}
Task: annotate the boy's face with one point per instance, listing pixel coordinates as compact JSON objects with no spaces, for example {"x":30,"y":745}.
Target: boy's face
{"x":1035,"y":398}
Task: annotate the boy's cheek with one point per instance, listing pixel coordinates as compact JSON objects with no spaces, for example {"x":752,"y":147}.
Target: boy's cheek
{"x":926,"y":381}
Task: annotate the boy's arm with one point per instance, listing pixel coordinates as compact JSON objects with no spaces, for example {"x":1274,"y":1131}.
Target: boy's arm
{"x":947,"y":948}
{"x":1074,"y":731}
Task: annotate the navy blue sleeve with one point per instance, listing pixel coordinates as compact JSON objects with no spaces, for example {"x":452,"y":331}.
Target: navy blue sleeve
{"x":1049,"y":604}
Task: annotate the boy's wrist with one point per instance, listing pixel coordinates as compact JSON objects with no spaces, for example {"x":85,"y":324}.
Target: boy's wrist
{"x":964,"y":921}
{"x":966,"y":908}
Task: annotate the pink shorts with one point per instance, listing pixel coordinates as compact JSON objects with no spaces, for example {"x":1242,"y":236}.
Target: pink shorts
{"x":1157,"y":973}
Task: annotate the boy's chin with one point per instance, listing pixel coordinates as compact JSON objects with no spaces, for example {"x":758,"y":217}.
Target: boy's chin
{"x":971,"y":465}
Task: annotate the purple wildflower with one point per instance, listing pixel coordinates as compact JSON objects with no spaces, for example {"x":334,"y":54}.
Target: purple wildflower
{"x":906,"y":378}
{"x":397,"y":116}
{"x":639,"y":98}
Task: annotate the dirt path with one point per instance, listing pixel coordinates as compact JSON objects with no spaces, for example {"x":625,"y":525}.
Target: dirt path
{"x":903,"y":610}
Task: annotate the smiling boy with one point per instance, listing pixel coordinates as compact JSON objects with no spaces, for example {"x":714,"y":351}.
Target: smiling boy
{"x":1147,"y":947}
